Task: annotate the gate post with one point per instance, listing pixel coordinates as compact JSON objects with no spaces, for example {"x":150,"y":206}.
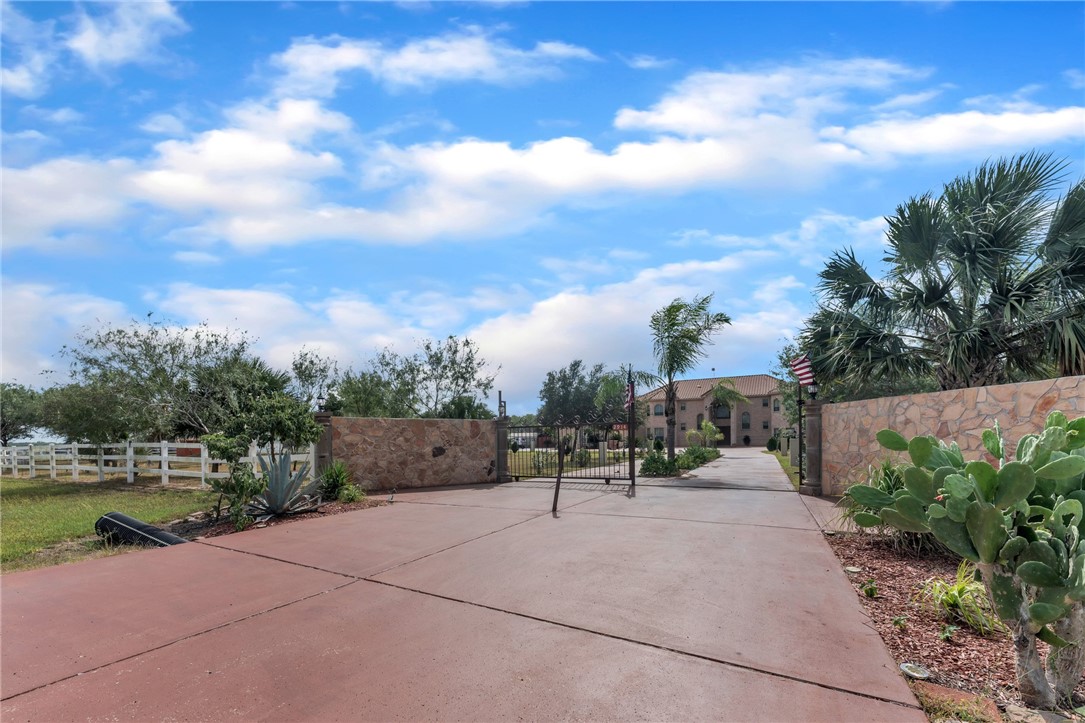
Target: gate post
{"x":324,"y":447}
{"x":813,"y":484}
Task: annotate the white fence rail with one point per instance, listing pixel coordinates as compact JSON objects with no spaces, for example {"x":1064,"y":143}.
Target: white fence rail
{"x":167,"y":460}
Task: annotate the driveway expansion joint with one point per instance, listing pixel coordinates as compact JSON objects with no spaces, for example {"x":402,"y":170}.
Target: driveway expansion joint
{"x":656,"y":646}
{"x":181,"y":639}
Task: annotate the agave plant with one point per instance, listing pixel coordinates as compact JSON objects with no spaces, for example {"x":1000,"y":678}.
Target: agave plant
{"x":286,"y":492}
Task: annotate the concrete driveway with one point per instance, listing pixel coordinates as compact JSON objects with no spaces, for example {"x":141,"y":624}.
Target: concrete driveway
{"x":709,"y":598}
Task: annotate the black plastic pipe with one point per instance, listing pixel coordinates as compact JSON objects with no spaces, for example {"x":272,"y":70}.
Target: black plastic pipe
{"x":118,"y":528}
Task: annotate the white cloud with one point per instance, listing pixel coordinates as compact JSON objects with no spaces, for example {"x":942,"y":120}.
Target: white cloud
{"x":40,"y":318}
{"x":35,"y":50}
{"x":908,"y":100}
{"x":44,"y":203}
{"x":126,"y":32}
{"x":313,"y":66}
{"x":196,"y":257}
{"x":645,"y":62}
{"x":165,"y":124}
{"x":1075,"y":78}
{"x":59,"y":116}
{"x":725,"y":104}
{"x":259,"y":163}
{"x":962,"y":133}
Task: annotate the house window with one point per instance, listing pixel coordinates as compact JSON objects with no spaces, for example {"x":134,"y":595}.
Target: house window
{"x":659,"y":433}
{"x":765,"y":424}
{"x":700,"y":420}
{"x":764,"y":402}
{"x":683,"y":426}
{"x":775,"y":431}
{"x":775,"y":405}
{"x":723,"y":412}
{"x":659,"y":410}
{"x":745,"y":420}
{"x":683,"y":407}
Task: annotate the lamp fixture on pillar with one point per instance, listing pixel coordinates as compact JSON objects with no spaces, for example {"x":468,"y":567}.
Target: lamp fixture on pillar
{"x":813,"y":389}
{"x":321,"y":401}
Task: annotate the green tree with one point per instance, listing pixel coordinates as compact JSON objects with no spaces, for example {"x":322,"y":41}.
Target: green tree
{"x":92,"y":413}
{"x":418,"y":385}
{"x":313,"y":376}
{"x":152,"y":370}
{"x":725,"y":394}
{"x":680,"y":332}
{"x":465,"y":407}
{"x":20,"y":411}
{"x":841,"y":390}
{"x":985,"y":284}
{"x":570,"y":392}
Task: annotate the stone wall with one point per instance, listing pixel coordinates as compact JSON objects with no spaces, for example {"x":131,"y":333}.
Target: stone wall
{"x":960,"y":415}
{"x":402,"y":453}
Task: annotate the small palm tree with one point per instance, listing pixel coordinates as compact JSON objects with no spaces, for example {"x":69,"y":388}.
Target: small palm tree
{"x":986,"y":284}
{"x":680,"y":332}
{"x":725,"y":394}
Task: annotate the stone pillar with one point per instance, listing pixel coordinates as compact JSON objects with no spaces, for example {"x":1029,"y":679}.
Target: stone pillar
{"x":324,"y":455}
{"x":502,"y":438}
{"x":812,"y":483}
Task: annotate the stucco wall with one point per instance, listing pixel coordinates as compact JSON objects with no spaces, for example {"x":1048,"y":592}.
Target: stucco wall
{"x":404,"y":453}
{"x":960,"y":415}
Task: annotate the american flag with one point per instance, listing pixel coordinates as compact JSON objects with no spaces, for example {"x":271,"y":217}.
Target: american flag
{"x":803,"y":370}
{"x":630,"y":395}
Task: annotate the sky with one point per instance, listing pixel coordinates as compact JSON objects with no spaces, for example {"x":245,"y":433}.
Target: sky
{"x":538,"y":177}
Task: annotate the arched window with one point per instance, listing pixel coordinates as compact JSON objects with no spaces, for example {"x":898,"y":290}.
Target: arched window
{"x":776,"y":405}
{"x":700,"y":420}
{"x":723,"y":412}
{"x":659,"y":410}
{"x":745,"y":420}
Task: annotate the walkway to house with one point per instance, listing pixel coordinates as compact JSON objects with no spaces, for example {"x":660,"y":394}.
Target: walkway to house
{"x":711,"y":598}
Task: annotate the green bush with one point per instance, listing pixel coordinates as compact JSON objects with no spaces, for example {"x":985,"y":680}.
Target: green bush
{"x":772,"y":445}
{"x":582,"y":458}
{"x":514,"y":446}
{"x":336,"y":476}
{"x":350,"y":493}
{"x":1022,"y":522}
{"x":658,"y":445}
{"x":964,"y":600}
{"x":656,"y":464}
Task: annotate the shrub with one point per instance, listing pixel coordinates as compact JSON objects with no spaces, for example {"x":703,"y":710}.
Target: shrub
{"x":350,"y":493}
{"x":772,"y":444}
{"x":861,"y":504}
{"x":336,"y":476}
{"x":285,"y":492}
{"x":582,"y":458}
{"x":964,"y":600}
{"x":656,"y":464}
{"x":1021,"y":522}
{"x":658,"y":445}
{"x":514,"y":446}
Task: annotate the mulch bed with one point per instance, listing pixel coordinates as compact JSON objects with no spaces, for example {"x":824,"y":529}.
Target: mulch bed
{"x":202,"y":525}
{"x":966,"y":660}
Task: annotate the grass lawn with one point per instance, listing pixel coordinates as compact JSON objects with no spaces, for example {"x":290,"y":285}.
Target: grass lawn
{"x":36,"y":514}
{"x":785,"y":463}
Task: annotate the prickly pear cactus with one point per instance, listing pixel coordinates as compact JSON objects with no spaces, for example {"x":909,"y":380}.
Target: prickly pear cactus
{"x":1022,"y":522}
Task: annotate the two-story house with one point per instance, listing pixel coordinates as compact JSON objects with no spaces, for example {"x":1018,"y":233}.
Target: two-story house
{"x":750,"y":423}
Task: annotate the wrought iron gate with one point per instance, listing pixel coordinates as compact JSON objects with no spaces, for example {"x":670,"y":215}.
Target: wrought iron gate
{"x":585,"y":450}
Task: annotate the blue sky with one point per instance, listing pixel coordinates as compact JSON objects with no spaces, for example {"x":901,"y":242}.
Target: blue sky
{"x":539,"y":177}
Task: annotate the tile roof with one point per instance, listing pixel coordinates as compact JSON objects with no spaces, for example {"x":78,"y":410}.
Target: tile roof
{"x":749,"y":385}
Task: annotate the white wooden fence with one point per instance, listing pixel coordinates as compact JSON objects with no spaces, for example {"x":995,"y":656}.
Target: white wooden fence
{"x":168,"y":460}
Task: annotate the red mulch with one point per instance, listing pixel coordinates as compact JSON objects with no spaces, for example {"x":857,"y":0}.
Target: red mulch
{"x":192,"y":529}
{"x":967,"y":660}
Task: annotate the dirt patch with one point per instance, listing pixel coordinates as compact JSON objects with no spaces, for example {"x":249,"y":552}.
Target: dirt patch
{"x":913,"y":633}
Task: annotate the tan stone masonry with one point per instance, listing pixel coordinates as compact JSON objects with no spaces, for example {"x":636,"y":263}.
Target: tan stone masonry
{"x":960,"y":415}
{"x":403,"y":453}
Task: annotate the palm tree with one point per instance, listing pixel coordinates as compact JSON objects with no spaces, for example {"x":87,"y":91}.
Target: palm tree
{"x":986,"y":284}
{"x":680,"y":332}
{"x":725,"y":394}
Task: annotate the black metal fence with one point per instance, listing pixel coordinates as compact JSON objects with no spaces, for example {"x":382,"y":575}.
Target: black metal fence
{"x":574,"y":450}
